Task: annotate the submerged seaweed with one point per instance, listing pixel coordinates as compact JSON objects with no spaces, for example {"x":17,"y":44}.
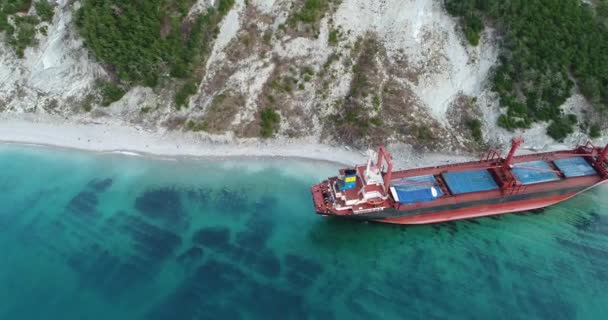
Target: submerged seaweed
{"x":213,"y":237}
{"x":84,"y":204}
{"x":161,"y":203}
{"x":191,"y":256}
{"x":152,"y":242}
{"x":100,"y":185}
{"x":228,"y":200}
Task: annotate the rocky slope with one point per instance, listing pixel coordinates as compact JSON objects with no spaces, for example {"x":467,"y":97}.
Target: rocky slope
{"x":368,"y":72}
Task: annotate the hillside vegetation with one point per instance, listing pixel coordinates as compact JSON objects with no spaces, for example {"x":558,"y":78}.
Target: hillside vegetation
{"x":549,"y":47}
{"x":144,"y":42}
{"x":20,"y":27}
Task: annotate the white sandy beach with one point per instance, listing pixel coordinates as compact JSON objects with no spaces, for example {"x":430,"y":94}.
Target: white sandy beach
{"x":106,"y":136}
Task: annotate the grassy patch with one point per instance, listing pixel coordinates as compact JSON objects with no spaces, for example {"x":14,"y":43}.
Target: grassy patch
{"x":310,"y":13}
{"x":270,"y":120}
{"x":196,"y":125}
{"x":221,"y":111}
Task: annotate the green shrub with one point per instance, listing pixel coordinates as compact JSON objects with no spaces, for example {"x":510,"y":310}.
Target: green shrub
{"x":594,"y":131}
{"x":4,"y":25}
{"x":376,"y":121}
{"x":13,"y":6}
{"x":45,"y":10}
{"x":182,"y":95}
{"x":312,"y":11}
{"x":270,"y":120}
{"x":475,"y":127}
{"x":87,"y":103}
{"x":196,"y":126}
{"x":561,"y":127}
{"x":110,"y":93}
{"x":332,"y":39}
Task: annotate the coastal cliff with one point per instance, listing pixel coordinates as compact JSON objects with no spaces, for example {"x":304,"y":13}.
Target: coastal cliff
{"x":350,"y":72}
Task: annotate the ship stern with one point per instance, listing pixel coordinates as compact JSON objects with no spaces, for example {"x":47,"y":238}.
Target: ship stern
{"x":320,"y":196}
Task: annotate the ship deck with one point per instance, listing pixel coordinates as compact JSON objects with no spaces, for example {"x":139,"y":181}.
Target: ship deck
{"x":482,"y":179}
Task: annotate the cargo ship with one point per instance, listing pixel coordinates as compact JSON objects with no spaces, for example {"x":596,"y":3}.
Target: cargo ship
{"x":491,"y":186}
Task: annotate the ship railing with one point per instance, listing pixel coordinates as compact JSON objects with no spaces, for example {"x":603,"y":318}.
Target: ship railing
{"x":491,"y":155}
{"x":518,"y":188}
{"x":589,"y":146}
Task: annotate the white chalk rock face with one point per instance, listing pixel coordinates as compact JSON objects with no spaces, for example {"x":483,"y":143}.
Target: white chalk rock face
{"x":422,"y":42}
{"x":57,"y":68}
{"x":426,"y":35}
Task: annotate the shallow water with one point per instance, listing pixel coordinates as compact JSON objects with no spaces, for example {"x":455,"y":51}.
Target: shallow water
{"x":94,"y":236}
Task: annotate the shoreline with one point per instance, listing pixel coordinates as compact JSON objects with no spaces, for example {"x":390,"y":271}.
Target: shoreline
{"x":118,"y":138}
{"x":112,"y":136}
{"x":172,"y":157}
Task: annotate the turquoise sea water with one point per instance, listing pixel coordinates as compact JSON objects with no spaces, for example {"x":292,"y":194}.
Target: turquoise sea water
{"x":94,"y":236}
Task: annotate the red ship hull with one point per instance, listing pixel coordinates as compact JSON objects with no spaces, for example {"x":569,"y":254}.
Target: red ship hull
{"x":480,"y":211}
{"x":510,"y":194}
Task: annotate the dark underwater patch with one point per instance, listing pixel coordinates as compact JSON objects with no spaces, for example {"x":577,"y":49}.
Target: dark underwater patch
{"x":199,"y":195}
{"x":199,"y":295}
{"x":151,"y":241}
{"x":545,"y":304}
{"x":265,"y":204}
{"x":215,"y":276}
{"x":84,"y":204}
{"x":264,"y":262}
{"x":162,"y":203}
{"x":538,"y":211}
{"x":274,"y":303}
{"x":586,"y":222}
{"x":212,"y":237}
{"x":358,"y":307}
{"x":598,"y":255}
{"x":7,"y":219}
{"x":452,"y":227}
{"x":190,"y":256}
{"x":260,"y":225}
{"x":256,"y":233}
{"x":100,"y":185}
{"x":487,"y":262}
{"x":228,"y":200}
{"x":105,"y":272}
{"x":303,"y":265}
{"x":301,"y":272}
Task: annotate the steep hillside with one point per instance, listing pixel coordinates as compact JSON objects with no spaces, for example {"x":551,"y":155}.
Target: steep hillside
{"x":351,"y":72}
